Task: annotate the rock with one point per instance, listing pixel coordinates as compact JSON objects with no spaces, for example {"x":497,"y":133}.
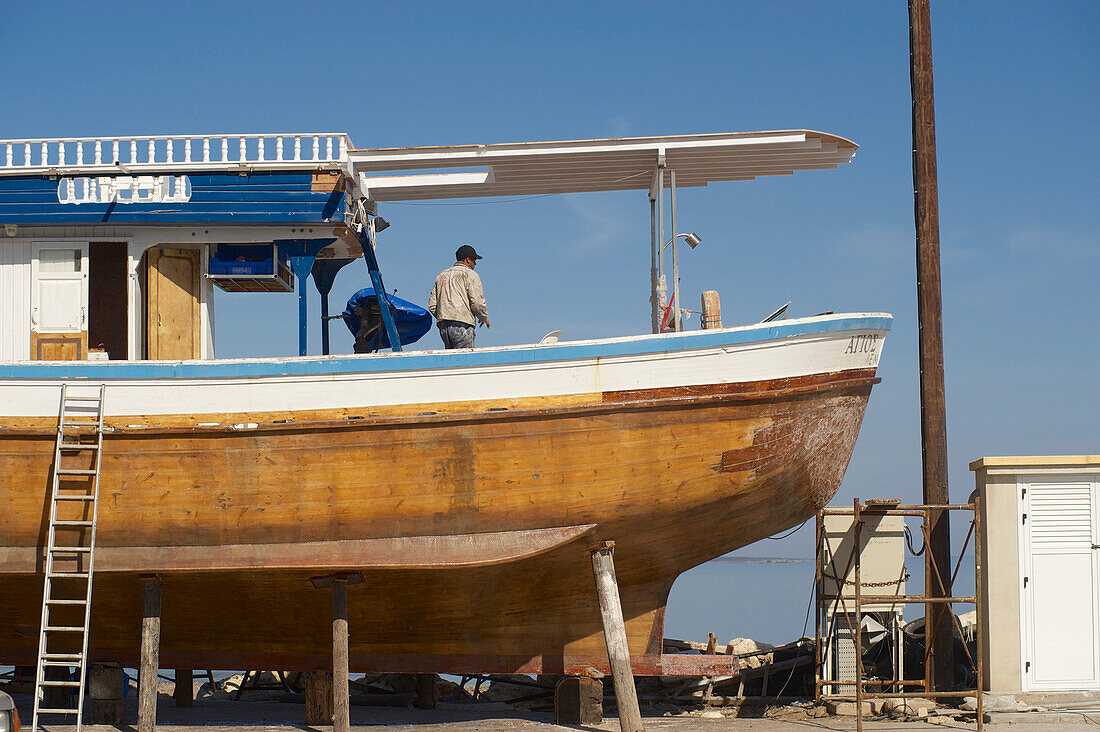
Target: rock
{"x":712,"y":714}
{"x":743,"y":646}
{"x":502,"y":691}
{"x":846,"y":708}
{"x":990,"y":703}
{"x":911,"y":707}
{"x":452,"y":692}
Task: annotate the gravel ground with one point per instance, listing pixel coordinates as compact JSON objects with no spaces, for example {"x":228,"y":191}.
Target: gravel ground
{"x":227,"y":716}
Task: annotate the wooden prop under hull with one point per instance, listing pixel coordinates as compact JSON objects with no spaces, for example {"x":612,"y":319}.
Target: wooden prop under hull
{"x":674,"y":481}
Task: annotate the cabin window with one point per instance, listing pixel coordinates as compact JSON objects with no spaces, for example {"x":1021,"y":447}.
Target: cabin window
{"x":59,"y":261}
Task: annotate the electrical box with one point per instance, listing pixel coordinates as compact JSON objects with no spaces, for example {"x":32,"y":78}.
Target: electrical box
{"x":250,"y":268}
{"x":881,"y":562}
{"x":881,"y":572}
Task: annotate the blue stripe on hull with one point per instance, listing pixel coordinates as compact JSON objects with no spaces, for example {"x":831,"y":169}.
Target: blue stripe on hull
{"x":412,"y":361}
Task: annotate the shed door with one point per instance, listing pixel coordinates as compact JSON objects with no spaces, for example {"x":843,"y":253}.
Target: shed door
{"x":174,"y":326}
{"x":1062,"y":579}
{"x":59,"y":301}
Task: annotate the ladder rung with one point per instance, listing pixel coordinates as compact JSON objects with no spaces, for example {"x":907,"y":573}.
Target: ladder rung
{"x":74,"y":398}
{"x":72,"y":549}
{"x":77,"y":446}
{"x":53,"y":601}
{"x":73,"y":498}
{"x":76,"y":471}
{"x":62,"y":657}
{"x":64,"y":629}
{"x":57,"y":711}
{"x":60,"y":683}
{"x":68,"y":575}
{"x":72,"y":523}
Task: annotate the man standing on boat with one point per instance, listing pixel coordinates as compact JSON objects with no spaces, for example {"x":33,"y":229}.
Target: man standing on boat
{"x":457,"y":301}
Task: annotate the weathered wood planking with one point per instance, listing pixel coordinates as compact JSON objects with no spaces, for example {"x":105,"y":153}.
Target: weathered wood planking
{"x":673,"y":481}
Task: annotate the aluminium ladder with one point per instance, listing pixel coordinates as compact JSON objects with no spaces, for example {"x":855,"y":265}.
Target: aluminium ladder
{"x":67,"y":591}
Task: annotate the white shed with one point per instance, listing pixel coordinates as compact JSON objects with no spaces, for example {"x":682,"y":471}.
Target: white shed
{"x":1040,"y":581}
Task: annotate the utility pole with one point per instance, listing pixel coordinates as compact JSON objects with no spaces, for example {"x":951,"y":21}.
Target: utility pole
{"x":939,"y":665}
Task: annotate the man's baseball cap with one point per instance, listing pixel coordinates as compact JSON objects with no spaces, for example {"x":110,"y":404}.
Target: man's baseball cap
{"x":466,"y":252}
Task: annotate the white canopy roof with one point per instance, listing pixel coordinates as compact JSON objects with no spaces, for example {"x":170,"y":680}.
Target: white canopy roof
{"x":532,"y":168}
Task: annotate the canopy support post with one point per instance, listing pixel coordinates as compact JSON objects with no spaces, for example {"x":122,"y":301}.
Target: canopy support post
{"x":662,"y":288}
{"x":654,"y":306}
{"x":365,"y":240}
{"x":301,"y":253}
{"x":678,"y":323}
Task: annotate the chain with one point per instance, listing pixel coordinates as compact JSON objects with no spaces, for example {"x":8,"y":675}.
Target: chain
{"x":834,"y":578}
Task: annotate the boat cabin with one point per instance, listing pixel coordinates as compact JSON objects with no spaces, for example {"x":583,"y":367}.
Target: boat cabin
{"x":111,"y":248}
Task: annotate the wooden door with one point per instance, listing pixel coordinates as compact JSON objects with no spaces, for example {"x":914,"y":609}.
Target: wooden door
{"x":173,"y":329}
{"x":59,"y":301}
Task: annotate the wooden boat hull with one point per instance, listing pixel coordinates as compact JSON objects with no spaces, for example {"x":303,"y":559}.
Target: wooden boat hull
{"x":470,"y":522}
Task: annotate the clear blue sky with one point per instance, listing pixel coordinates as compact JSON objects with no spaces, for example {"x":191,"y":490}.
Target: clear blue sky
{"x":1017,"y":106}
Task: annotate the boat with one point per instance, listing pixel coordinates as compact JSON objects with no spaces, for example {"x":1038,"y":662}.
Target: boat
{"x":465,"y":488}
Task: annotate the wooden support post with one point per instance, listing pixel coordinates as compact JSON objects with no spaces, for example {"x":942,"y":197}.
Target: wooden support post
{"x":614,"y":634}
{"x":104,"y":703}
{"x":578,"y":700}
{"x":340,"y":696}
{"x":711,"y":307}
{"x":319,"y":699}
{"x":150,"y":656}
{"x":341,"y":700}
{"x":940,"y":672}
{"x":185,"y":687}
{"x":425,"y":691}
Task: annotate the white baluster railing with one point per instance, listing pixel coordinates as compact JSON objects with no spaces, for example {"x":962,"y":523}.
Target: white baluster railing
{"x":270,"y":151}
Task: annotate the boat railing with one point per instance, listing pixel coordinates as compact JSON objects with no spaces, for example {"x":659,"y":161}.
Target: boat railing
{"x":280,"y":151}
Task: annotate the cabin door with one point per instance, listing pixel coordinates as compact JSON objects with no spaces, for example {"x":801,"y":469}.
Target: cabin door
{"x":59,"y":301}
{"x":173,"y":328}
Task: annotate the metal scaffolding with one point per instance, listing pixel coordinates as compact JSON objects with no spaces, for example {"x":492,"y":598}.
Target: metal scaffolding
{"x":833,"y":605}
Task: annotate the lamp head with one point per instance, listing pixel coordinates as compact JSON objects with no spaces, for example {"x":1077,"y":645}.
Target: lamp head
{"x":692,"y":240}
{"x":380,"y":224}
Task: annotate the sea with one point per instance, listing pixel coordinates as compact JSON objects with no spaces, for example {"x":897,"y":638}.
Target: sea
{"x":768,"y":599}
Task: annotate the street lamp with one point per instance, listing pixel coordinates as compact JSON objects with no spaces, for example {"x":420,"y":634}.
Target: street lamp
{"x":692,"y":241}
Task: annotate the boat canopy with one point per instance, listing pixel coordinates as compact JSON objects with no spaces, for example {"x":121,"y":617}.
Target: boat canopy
{"x":574,"y":166}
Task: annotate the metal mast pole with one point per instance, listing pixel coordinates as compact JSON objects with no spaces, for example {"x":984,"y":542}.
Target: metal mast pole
{"x":662,"y":290}
{"x":939,"y":668}
{"x":678,"y":322}
{"x":654,"y":305}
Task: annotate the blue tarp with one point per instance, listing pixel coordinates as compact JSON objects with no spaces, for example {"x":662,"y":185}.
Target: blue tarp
{"x":412,"y":320}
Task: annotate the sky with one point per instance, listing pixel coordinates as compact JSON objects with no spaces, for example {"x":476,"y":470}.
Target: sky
{"x":1016,"y":100}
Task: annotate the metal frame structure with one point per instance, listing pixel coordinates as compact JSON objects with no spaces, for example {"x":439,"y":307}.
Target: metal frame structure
{"x":849,"y":605}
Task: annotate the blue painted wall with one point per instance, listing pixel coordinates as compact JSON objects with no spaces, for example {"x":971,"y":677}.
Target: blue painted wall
{"x":261,"y":198}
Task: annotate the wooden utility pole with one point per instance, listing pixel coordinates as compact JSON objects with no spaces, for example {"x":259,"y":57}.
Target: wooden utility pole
{"x":939,"y":666}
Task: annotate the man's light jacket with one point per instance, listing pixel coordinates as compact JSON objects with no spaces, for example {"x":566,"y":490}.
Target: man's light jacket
{"x":457,"y":295}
